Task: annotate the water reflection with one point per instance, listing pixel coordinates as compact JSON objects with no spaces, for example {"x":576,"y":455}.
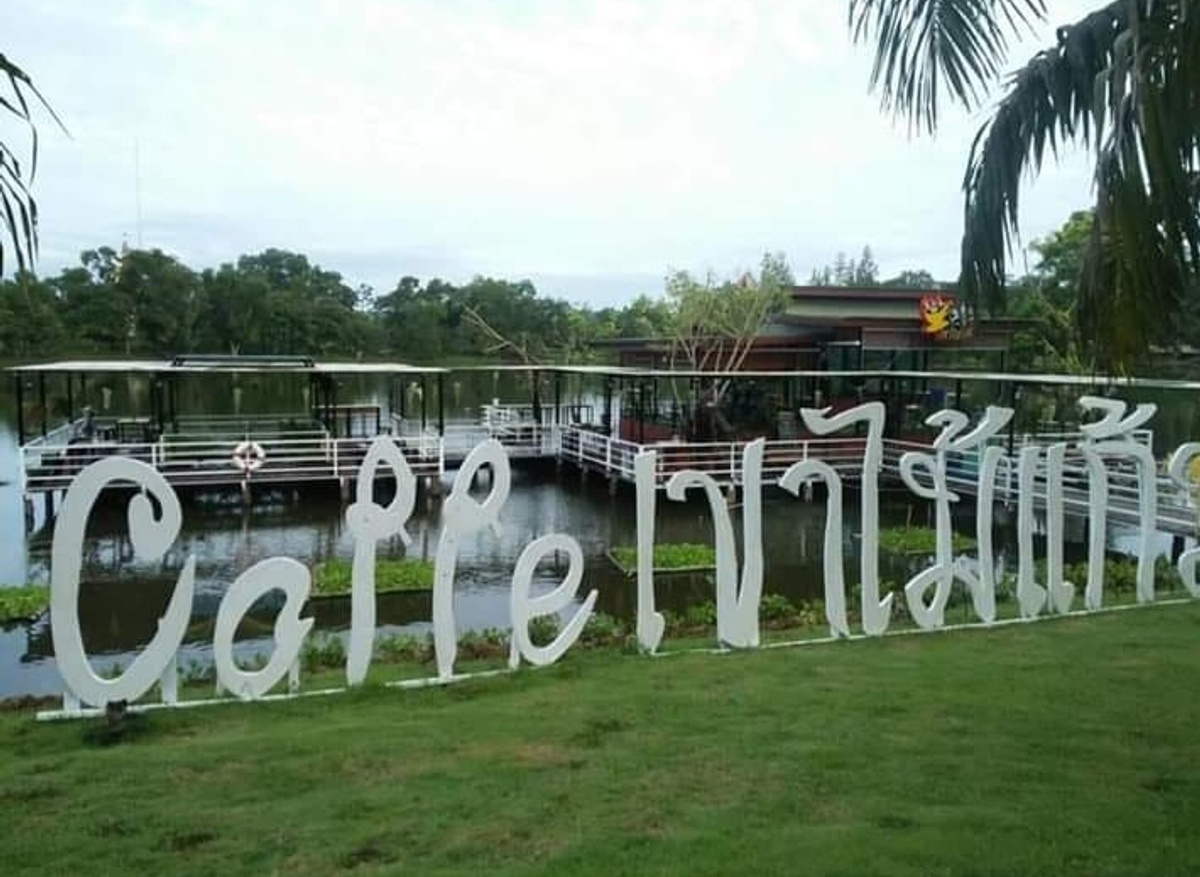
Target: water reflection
{"x":121,"y":599}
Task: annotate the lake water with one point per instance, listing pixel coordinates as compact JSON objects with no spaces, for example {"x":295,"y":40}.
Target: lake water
{"x":121,"y":599}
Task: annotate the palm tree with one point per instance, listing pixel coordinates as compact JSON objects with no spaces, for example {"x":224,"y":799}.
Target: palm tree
{"x":1123,"y":81}
{"x":18,"y":210}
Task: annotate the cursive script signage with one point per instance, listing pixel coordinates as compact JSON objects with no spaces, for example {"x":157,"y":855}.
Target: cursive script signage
{"x":738,"y":586}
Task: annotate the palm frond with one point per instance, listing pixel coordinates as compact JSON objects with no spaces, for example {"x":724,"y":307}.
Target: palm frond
{"x":1125,"y":81}
{"x":1131,"y":284}
{"x":18,"y":210}
{"x":928,"y":51}
{"x":1050,"y":101}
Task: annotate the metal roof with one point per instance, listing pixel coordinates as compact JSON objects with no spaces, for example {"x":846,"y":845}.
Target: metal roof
{"x":1002,"y":377}
{"x":284,"y":365}
{"x":386,"y":368}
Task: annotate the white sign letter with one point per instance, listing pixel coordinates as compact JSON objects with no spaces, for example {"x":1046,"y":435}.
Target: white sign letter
{"x":369,"y":522}
{"x":462,"y":515}
{"x":151,"y":538}
{"x":289,"y":576}
{"x":650,"y":624}
{"x":524,"y":608}
{"x":876,"y":613}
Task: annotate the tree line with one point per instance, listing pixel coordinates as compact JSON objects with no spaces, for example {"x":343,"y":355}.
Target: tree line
{"x":147,"y":303}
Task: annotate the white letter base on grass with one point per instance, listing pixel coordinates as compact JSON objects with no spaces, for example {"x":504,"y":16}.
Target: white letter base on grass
{"x":155,"y":517}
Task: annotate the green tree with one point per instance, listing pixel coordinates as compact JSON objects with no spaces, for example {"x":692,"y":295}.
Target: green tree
{"x":644,"y":317}
{"x":138,"y":301}
{"x":310,"y":310}
{"x":30,"y":318}
{"x":1123,"y":80}
{"x":96,"y":321}
{"x":236,"y":313}
{"x":1061,"y":253}
{"x":920,"y":279}
{"x":1049,"y":299}
{"x":163,"y":296}
{"x":716,"y":323}
{"x":412,"y":320}
{"x":847,"y":271}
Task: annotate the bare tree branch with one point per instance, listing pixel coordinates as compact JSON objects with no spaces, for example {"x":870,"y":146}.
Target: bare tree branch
{"x":499,"y":342}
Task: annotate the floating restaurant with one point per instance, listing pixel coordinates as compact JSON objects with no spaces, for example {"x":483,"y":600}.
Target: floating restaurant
{"x":596,"y":419}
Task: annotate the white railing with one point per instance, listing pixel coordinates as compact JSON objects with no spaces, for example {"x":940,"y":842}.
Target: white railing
{"x":57,"y":436}
{"x":196,"y":459}
{"x":192,"y":461}
{"x":524,"y":412}
{"x":721,"y":460}
{"x":1176,"y":508}
{"x":614,"y":457}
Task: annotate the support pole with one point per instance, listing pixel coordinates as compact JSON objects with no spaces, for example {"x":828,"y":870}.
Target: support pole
{"x":1012,"y":423}
{"x":608,"y":397}
{"x":70,"y":398}
{"x":441,"y":409}
{"x":19,"y":386}
{"x":42,"y":399}
{"x":557,"y":398}
{"x":641,"y":400}
{"x":160,"y":405}
{"x":535,"y":378}
{"x":424,"y":403}
{"x":333,"y":404}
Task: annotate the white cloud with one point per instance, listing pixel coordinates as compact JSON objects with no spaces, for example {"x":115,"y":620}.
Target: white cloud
{"x":556,"y":138}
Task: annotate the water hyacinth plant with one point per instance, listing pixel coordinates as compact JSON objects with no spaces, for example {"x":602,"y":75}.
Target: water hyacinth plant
{"x":23,"y":602}
{"x":668,"y":557}
{"x":331,"y":578}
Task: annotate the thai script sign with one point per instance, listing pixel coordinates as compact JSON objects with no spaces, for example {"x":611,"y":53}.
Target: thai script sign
{"x":738,"y":587}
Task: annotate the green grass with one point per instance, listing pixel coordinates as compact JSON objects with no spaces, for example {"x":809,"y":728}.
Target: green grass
{"x":23,"y":602}
{"x":1064,"y":747}
{"x":332,"y":577}
{"x":668,"y":557}
{"x":919,"y":540}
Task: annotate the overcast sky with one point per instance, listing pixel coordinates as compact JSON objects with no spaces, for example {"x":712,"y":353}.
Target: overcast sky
{"x":590,"y":146}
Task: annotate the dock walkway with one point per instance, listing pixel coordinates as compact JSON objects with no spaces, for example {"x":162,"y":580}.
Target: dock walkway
{"x":286,"y":451}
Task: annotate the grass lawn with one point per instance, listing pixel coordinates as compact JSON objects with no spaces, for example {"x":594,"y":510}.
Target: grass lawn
{"x":1065,"y":747}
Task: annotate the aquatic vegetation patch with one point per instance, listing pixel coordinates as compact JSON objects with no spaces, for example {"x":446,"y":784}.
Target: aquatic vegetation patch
{"x":331,"y":578}
{"x":668,"y":557}
{"x":919,"y":540}
{"x":23,"y":602}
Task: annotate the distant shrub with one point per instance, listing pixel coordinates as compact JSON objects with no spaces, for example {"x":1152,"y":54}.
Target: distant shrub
{"x":601,"y":630}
